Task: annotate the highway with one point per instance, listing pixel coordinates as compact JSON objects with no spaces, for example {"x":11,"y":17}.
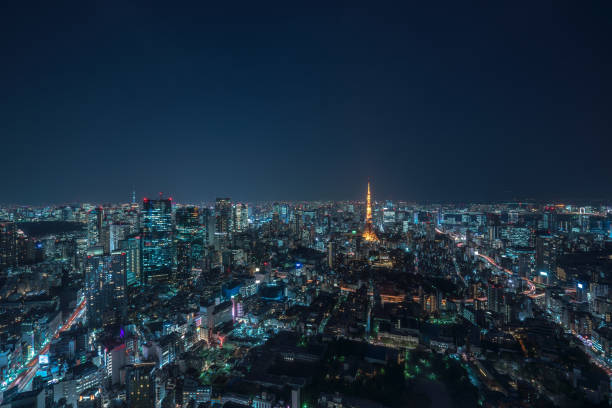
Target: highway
{"x":30,"y":369}
{"x":531,"y":291}
{"x":596,"y":358}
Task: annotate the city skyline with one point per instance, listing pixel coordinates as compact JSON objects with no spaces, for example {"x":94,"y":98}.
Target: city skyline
{"x":305,"y":205}
{"x":135,"y":198}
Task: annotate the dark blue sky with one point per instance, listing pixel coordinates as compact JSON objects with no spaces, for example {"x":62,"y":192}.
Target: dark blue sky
{"x":458,"y":101}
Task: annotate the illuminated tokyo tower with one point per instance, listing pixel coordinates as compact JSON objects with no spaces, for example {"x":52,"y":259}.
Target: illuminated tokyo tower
{"x":368,"y":232}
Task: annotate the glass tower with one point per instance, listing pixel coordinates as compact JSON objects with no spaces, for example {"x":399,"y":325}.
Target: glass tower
{"x":157,"y":240}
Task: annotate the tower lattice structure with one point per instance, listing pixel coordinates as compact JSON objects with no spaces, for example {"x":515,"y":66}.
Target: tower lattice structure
{"x":368,"y":232}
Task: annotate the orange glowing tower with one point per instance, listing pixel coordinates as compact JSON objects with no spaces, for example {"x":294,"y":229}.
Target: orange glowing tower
{"x":368,"y":232}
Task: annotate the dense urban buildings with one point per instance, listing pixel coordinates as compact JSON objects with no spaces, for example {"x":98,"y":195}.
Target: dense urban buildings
{"x":306,"y":304}
{"x":363,"y":204}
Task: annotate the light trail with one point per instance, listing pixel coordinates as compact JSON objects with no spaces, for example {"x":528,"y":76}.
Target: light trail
{"x":32,"y":366}
{"x":531,"y":291}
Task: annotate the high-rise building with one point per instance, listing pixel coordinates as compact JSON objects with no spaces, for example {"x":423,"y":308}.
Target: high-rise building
{"x":223,"y":221}
{"x":331,"y":254}
{"x":95,"y":219}
{"x":157,"y":255}
{"x":275,"y":224}
{"x":132,"y":246}
{"x":549,"y":219}
{"x":298,"y":222}
{"x":368,"y":233}
{"x":208,"y":222}
{"x":240,"y":217}
{"x":8,"y":245}
{"x":495,"y":298}
{"x":105,"y":283}
{"x":140,"y":385}
{"x":493,"y":226}
{"x":189,"y":245}
{"x":513,"y":217}
{"x":546,"y":255}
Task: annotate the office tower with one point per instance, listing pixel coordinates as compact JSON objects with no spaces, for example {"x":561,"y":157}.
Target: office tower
{"x":188,"y":238}
{"x":95,"y":219}
{"x":495,"y":298}
{"x":284,"y":213}
{"x":582,"y":290}
{"x":430,"y":231}
{"x":157,"y":239}
{"x":546,"y":255}
{"x":584,"y":220}
{"x":140,"y":385}
{"x":223,"y":221}
{"x":493,"y":226}
{"x":524,"y":264}
{"x":368,"y":232}
{"x":26,"y":250}
{"x":116,"y":233}
{"x":132,"y":246}
{"x":298,"y":222}
{"x":244,"y":217}
{"x":240,"y":217}
{"x":518,"y":236}
{"x":275,"y":224}
{"x":513,"y":217}
{"x":549,"y":223}
{"x":331,"y":254}
{"x":105,"y":284}
{"x":208,"y":222}
{"x":8,"y":245}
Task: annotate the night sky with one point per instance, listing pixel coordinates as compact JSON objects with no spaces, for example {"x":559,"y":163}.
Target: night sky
{"x":274,"y":101}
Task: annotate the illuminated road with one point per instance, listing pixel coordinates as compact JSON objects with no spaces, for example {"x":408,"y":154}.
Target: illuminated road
{"x":30,"y":369}
{"x":596,"y":358}
{"x":531,"y":291}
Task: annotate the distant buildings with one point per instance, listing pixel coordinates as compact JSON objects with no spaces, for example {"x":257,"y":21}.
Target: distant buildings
{"x":8,"y":245}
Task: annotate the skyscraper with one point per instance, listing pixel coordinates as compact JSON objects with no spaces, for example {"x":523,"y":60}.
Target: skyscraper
{"x":157,"y":239}
{"x":368,"y":232}
{"x":105,"y":284}
{"x":95,"y":220}
{"x":132,"y":246}
{"x":189,"y":244}
{"x":8,"y":245}
{"x":223,"y":221}
{"x":240,"y":217}
{"x":546,"y":255}
{"x":549,"y":218}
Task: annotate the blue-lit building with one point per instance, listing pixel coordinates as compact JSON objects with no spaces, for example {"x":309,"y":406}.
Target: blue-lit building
{"x":105,"y":284}
{"x":157,"y":253}
{"x":95,"y":221}
{"x":189,"y":240}
{"x":132,"y":246}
